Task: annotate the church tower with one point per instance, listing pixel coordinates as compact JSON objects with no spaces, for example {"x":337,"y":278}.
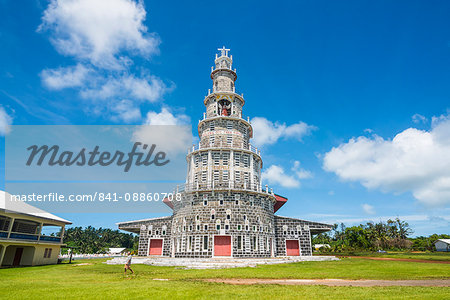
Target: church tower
{"x":224,"y":209}
{"x":223,"y":193}
{"x":224,"y":158}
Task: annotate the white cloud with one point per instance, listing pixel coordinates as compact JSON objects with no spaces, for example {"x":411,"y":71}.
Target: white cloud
{"x":165,"y":117}
{"x":368,"y":209}
{"x":301,"y":173}
{"x":168,"y":131}
{"x":126,"y":111}
{"x":267,"y":132}
{"x":103,"y":36}
{"x":418,"y":118}
{"x":64,"y":77}
{"x":276,"y":175}
{"x":98,"y":31}
{"x":5,"y":122}
{"x":149,"y":89}
{"x":414,"y":161}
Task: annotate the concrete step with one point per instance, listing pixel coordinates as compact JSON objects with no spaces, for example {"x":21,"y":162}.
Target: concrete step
{"x":216,"y":263}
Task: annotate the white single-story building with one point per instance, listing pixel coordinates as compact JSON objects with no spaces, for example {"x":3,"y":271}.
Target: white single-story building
{"x":28,"y":236}
{"x":116,"y":251}
{"x":318,"y":246}
{"x":442,"y":245}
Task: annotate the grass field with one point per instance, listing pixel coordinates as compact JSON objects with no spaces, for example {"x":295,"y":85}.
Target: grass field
{"x":99,"y":281}
{"x":426,"y":255}
{"x":435,"y":256}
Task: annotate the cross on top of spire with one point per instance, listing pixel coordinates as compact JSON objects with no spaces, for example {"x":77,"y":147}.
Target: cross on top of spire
{"x":224,"y":51}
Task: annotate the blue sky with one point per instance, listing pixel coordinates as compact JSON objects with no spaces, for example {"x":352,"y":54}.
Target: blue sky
{"x":367,"y":79}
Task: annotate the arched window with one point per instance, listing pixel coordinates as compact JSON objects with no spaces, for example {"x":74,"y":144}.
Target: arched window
{"x":218,"y":227}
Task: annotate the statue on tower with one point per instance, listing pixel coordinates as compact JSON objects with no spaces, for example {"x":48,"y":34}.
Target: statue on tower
{"x":224,"y":111}
{"x":224,"y":106}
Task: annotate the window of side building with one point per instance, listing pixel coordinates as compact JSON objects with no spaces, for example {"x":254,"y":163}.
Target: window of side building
{"x":239,"y":242}
{"x":205,"y":242}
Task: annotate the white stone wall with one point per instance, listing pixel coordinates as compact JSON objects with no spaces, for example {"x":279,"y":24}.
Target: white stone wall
{"x":244,"y":216}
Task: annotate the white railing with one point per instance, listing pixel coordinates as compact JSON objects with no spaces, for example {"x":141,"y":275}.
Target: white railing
{"x":213,"y":68}
{"x":240,"y":117}
{"x":214,"y":90}
{"x":223,"y":185}
{"x":221,"y":144}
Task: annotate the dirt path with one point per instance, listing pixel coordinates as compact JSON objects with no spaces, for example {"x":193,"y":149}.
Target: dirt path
{"x":400,"y":259}
{"x":336,"y":282}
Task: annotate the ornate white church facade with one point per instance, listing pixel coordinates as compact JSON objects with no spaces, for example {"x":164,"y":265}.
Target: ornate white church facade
{"x":225,"y":210}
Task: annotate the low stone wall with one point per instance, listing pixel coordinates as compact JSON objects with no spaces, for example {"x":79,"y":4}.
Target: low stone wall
{"x":217,"y":263}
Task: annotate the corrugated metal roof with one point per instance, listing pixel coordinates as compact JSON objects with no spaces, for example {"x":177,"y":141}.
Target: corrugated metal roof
{"x":444,"y":240}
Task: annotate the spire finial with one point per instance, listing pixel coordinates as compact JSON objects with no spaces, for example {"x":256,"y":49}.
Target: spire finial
{"x":224,"y":51}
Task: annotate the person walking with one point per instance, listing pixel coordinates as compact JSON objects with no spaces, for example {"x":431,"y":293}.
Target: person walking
{"x":128,"y":264}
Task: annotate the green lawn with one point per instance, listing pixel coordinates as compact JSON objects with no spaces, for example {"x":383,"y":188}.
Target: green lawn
{"x":436,"y":256}
{"x":99,"y":280}
{"x":425,"y":255}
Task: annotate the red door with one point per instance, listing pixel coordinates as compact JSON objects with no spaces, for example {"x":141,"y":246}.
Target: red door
{"x":17,"y":256}
{"x":222,"y":245}
{"x":292,"y":248}
{"x":155,"y":247}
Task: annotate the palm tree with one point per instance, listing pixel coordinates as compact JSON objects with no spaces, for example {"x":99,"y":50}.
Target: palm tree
{"x":403,"y":229}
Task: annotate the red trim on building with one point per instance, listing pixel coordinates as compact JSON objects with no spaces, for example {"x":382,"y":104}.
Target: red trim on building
{"x":280,"y":202}
{"x":167,"y":202}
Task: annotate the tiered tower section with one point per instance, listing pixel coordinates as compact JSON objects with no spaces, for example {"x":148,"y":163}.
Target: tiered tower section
{"x":223,"y":197}
{"x":224,"y":158}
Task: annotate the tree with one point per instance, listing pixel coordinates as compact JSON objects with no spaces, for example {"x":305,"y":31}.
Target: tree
{"x":355,"y":237}
{"x":92,"y":240}
{"x":392,"y":234}
{"x":403,"y":229}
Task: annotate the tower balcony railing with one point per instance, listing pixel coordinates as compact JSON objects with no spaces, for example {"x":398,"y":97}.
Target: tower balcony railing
{"x":221,"y":144}
{"x":240,"y":117}
{"x":216,"y":90}
{"x":215,"y":185}
{"x":223,"y":67}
